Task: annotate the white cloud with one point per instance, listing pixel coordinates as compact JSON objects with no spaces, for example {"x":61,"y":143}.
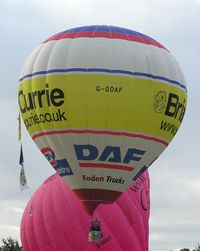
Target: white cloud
{"x":10,"y":227}
{"x":195,"y":187}
{"x":18,"y":210}
{"x":51,"y":5}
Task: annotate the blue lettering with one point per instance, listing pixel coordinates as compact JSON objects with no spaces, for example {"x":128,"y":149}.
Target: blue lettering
{"x":111,"y":154}
{"x":86,"y":152}
{"x":132,"y":154}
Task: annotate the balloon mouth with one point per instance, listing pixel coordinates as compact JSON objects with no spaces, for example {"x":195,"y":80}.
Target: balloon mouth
{"x":91,"y":198}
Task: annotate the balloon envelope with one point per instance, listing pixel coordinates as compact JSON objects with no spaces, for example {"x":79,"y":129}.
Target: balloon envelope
{"x":101,"y":103}
{"x":55,"y":220}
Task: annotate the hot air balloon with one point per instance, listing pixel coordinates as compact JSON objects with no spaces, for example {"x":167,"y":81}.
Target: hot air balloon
{"x":55,"y":220}
{"x":101,"y":103}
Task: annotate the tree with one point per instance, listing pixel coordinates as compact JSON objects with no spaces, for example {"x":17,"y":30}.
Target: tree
{"x":10,"y":245}
{"x":197,"y":248}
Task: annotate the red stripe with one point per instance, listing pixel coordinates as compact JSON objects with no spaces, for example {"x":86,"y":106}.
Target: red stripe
{"x":46,"y":150}
{"x":112,"y":35}
{"x":103,"y":165}
{"x":163,"y":142}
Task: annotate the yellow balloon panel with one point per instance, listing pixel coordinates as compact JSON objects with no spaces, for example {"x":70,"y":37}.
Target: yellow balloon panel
{"x":103,"y":102}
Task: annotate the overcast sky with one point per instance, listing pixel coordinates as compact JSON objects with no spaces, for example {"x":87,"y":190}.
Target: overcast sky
{"x":175,"y":176}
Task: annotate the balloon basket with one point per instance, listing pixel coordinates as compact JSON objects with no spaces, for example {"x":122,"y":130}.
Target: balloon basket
{"x":95,"y":236}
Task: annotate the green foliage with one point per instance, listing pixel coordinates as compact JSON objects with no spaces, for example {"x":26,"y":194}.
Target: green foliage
{"x":197,"y":248}
{"x":10,"y":245}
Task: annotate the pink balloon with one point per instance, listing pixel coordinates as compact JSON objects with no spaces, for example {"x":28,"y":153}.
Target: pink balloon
{"x":55,"y":220}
